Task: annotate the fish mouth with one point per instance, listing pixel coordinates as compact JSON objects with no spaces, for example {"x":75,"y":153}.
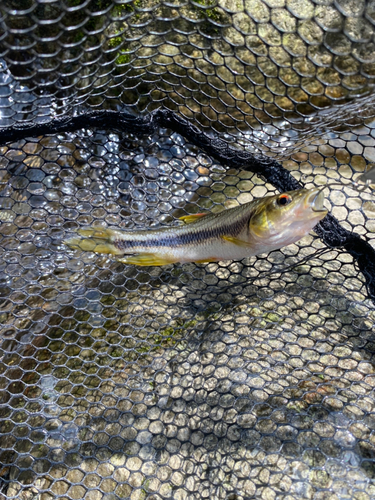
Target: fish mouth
{"x":316,"y":200}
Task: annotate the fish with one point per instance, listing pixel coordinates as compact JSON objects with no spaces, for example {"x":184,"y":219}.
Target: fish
{"x":368,"y":178}
{"x":254,"y":228}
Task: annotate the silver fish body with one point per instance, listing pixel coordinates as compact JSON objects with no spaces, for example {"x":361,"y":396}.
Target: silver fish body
{"x":257,"y":227}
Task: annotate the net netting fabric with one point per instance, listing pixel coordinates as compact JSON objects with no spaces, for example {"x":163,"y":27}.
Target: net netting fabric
{"x":229,"y":380}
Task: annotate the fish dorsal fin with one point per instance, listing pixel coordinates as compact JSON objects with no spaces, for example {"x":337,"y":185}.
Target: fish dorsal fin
{"x":189,"y":219}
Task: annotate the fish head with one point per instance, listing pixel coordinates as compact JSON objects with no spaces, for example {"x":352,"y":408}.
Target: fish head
{"x":285,"y":218}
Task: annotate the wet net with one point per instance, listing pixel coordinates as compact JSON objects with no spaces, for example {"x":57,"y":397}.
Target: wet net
{"x":233,"y":380}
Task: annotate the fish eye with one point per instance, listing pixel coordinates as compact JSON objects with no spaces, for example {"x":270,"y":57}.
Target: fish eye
{"x":284,"y":200}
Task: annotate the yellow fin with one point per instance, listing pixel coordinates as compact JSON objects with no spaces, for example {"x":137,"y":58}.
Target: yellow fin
{"x":188,"y":219}
{"x":236,"y":241}
{"x":101,"y":233}
{"x":94,"y":240}
{"x":209,"y":259}
{"x":88,"y":245}
{"x":145,"y":259}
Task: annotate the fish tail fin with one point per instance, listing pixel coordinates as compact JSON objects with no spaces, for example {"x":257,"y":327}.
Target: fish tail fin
{"x":95,"y":239}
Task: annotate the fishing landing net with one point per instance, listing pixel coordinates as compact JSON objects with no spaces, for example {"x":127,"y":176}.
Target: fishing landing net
{"x":231,"y":380}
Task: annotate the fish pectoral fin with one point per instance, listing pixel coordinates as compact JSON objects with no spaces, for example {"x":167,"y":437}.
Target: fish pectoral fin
{"x":145,"y":259}
{"x":188,"y":219}
{"x":236,"y":241}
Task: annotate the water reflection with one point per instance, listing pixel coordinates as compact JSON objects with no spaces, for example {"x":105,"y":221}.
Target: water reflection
{"x":107,"y":363}
{"x":19,"y":104}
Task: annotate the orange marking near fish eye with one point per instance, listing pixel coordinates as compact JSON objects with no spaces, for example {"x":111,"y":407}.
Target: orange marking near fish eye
{"x":284,"y":199}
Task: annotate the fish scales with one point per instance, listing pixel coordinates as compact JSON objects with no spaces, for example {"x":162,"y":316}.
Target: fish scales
{"x":251,"y":229}
{"x":195,"y":235}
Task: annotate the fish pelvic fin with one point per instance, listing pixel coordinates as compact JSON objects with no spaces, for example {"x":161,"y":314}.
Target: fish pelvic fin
{"x":94,"y":239}
{"x":145,"y":259}
{"x":235,"y":241}
{"x":189,"y":219}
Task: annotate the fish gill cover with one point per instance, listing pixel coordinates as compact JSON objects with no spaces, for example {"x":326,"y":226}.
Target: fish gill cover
{"x":230,"y":380}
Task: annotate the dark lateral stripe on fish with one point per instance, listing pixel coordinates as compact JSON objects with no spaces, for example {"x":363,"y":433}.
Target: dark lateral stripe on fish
{"x":189,"y":238}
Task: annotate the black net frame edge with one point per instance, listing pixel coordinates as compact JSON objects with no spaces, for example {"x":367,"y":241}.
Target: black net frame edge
{"x":230,"y":381}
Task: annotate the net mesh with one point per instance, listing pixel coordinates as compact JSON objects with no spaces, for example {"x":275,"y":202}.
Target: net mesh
{"x":230,"y":380}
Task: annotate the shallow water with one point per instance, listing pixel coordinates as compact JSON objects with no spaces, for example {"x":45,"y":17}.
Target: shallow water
{"x":187,"y":380}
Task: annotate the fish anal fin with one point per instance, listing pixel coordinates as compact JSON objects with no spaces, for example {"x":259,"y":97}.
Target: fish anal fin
{"x":235,"y":241}
{"x":189,"y":219}
{"x":145,"y":259}
{"x":209,"y":259}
